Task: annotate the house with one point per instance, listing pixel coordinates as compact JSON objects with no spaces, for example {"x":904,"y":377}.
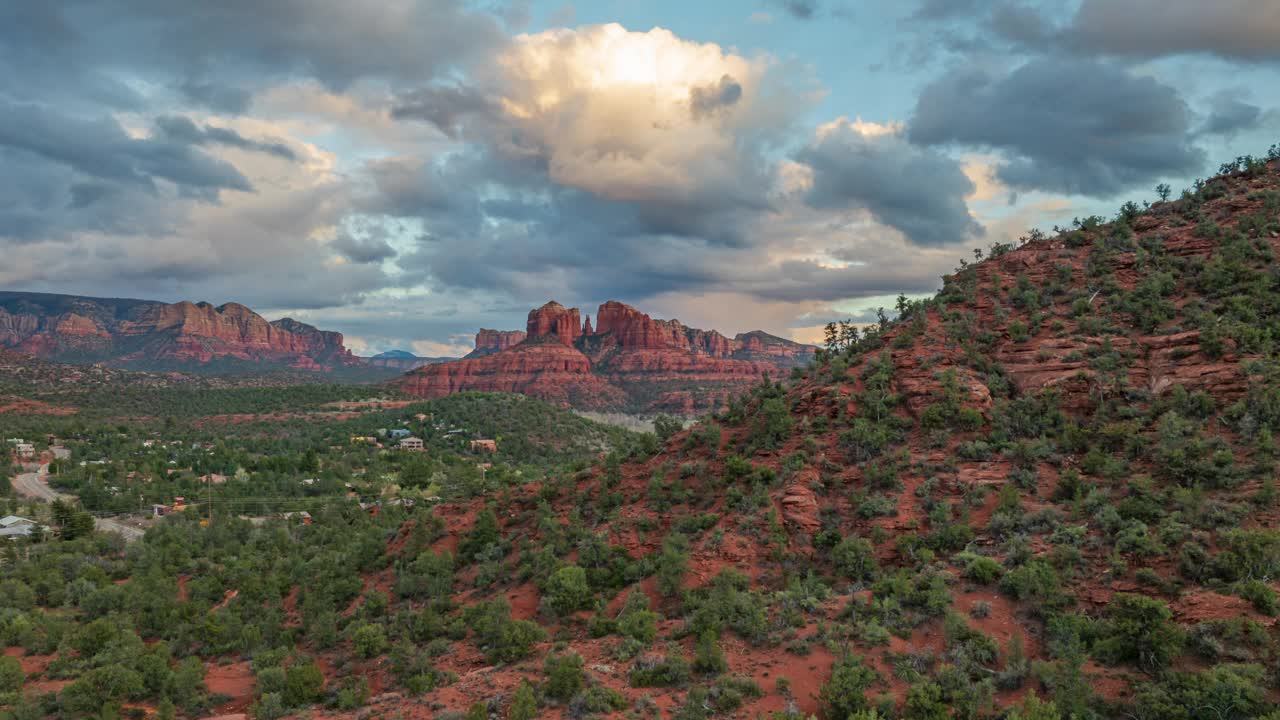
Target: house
{"x":161,"y":510}
{"x":25,"y":450}
{"x":13,"y":527}
{"x":398,"y":433}
{"x":412,"y":444}
{"x":363,"y":439}
{"x":420,"y":417}
{"x":303,"y":515}
{"x":486,"y":445}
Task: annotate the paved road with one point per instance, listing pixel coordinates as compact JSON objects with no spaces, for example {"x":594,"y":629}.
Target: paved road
{"x":34,"y":484}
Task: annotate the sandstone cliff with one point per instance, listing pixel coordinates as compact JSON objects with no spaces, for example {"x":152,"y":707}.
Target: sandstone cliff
{"x":145,"y":334}
{"x":489,"y":342}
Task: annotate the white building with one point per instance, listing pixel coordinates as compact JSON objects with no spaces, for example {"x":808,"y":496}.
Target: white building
{"x":13,"y":527}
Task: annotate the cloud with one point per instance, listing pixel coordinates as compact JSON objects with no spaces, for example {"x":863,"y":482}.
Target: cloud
{"x":1230,"y":113}
{"x":802,"y":9}
{"x":810,"y":9}
{"x":362,"y":250}
{"x":100,"y":148}
{"x":333,"y":41}
{"x":704,"y":101}
{"x":672,"y":134}
{"x":215,"y":96}
{"x":444,"y":107}
{"x":183,"y":129}
{"x":1244,"y":30}
{"x":921,"y":192}
{"x":1065,"y":125}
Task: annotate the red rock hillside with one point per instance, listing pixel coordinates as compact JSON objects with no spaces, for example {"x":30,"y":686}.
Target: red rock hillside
{"x":1048,"y":492}
{"x":627,"y":361}
{"x":145,"y":334}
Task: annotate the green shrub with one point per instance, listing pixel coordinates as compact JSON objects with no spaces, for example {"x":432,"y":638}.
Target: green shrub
{"x":844,"y":693}
{"x":369,"y":640}
{"x":1264,"y":599}
{"x":565,"y":676}
{"x":708,"y":656}
{"x":982,"y":569}
{"x":854,"y":558}
{"x":1139,"y":630}
{"x":303,"y":683}
{"x":567,"y":591}
{"x":666,"y":671}
{"x":524,"y":703}
{"x":11,"y":675}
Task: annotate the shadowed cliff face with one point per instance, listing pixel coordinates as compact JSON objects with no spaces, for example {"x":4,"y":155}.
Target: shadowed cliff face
{"x":628,"y":360}
{"x":145,"y":334}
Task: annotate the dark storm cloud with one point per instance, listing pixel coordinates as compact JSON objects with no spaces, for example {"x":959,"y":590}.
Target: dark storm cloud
{"x":444,"y":107}
{"x":916,"y":190}
{"x":706,"y":100}
{"x":1247,"y":30}
{"x":363,"y":250}
{"x":1230,"y":113}
{"x":99,"y":148}
{"x":334,"y":41}
{"x":182,"y":129}
{"x":1065,"y":125}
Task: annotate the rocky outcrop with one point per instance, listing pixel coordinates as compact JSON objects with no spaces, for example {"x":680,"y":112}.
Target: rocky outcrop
{"x":489,"y":342}
{"x":144,"y":334}
{"x":542,"y":367}
{"x":634,"y":362}
{"x":555,"y":320}
{"x":760,"y":346}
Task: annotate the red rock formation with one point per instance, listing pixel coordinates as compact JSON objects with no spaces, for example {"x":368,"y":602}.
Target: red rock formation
{"x":633,"y":361}
{"x":141,"y":333}
{"x":760,"y":346}
{"x":489,"y":342}
{"x":541,"y":367}
{"x":634,"y":330}
{"x":554,"y":319}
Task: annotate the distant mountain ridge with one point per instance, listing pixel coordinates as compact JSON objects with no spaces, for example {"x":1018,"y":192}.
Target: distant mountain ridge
{"x":149,"y":335}
{"x":628,"y":361}
{"x":401,"y":360}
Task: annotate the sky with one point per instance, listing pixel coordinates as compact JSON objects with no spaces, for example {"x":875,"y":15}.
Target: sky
{"x":408,"y":171}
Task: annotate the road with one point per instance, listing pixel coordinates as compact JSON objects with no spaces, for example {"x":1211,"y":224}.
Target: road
{"x":35,"y":484}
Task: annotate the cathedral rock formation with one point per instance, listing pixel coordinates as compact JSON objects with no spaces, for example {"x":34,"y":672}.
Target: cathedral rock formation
{"x":627,"y":361}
